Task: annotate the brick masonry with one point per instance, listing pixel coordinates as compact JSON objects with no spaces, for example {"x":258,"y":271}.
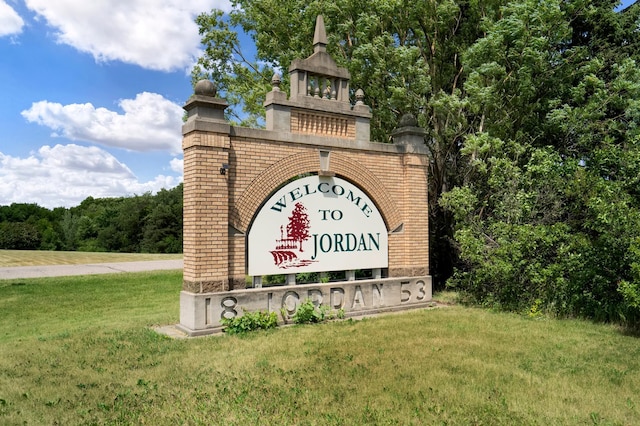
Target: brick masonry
{"x":218,"y":209}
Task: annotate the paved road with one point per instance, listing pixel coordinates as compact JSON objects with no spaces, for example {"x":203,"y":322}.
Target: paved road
{"x":95,"y":268}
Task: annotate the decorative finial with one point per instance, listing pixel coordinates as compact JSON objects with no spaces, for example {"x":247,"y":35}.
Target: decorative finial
{"x":407,"y":120}
{"x":275,"y":82}
{"x":320,"y":36}
{"x":359,"y":97}
{"x":205,"y":88}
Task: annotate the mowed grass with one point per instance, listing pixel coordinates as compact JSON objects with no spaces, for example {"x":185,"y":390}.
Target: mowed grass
{"x":40,"y":257}
{"x":82,"y":350}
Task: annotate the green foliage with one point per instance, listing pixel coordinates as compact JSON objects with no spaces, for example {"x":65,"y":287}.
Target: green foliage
{"x":278,"y":279}
{"x":21,"y":212}
{"x":630,"y":289}
{"x":550,"y":214}
{"x":19,"y":235}
{"x":144,"y":223}
{"x":250,"y":321}
{"x":310,"y":313}
{"x":307,"y":277}
{"x":631,"y":295}
{"x":225,"y":63}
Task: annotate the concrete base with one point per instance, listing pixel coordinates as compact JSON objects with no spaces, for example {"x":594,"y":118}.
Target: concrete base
{"x":200,"y":314}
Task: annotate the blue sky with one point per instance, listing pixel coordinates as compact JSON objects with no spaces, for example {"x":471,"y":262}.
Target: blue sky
{"x":91,"y":95}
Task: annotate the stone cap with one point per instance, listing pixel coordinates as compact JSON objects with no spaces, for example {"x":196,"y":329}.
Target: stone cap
{"x":204,"y":104}
{"x":205,"y":111}
{"x":409,"y":134}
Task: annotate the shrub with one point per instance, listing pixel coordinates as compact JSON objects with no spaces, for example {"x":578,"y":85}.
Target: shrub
{"x":250,"y":321}
{"x":308,"y":313}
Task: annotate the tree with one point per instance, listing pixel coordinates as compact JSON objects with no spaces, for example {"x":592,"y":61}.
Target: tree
{"x":298,"y":226}
{"x":19,"y":236}
{"x":551,"y":212}
{"x":50,"y":238}
{"x":162,"y":232}
{"x":532,"y":110}
{"x":127,"y":224}
{"x":22,"y":212}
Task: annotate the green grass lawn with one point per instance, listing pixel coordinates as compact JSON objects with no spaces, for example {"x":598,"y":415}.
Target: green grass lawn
{"x":81,"y":350}
{"x":42,"y":257}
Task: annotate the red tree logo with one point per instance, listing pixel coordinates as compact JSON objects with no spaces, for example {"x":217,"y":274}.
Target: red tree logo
{"x":298,"y":226}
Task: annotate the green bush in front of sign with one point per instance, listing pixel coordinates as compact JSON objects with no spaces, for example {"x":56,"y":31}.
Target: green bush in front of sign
{"x":308,"y":313}
{"x":250,"y":321}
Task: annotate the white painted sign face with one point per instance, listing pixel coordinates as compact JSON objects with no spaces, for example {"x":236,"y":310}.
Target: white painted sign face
{"x":317,"y":224}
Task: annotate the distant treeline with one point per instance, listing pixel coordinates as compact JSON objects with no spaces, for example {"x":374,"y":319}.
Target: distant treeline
{"x":139,"y":224}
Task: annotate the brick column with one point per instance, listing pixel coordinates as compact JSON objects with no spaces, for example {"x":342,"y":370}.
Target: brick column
{"x":206,"y":192}
{"x":415,"y":163}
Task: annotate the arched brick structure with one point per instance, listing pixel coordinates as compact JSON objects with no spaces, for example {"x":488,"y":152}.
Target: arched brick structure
{"x":308,"y":162}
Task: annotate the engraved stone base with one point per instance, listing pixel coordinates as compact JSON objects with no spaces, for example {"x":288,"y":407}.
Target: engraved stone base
{"x":201,"y":313}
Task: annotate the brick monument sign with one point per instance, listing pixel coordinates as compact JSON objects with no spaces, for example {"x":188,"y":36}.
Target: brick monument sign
{"x":308,"y":194}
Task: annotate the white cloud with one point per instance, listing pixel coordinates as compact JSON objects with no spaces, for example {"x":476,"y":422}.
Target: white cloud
{"x":149,"y":123}
{"x":177,"y":165}
{"x":10,"y":22}
{"x":64,"y":175}
{"x":155,"y":34}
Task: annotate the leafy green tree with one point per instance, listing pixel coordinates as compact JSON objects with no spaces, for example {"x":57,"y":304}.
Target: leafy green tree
{"x":145,"y":222}
{"x":50,"y":238}
{"x":532,"y":115}
{"x":162,"y":231}
{"x":551,"y":212}
{"x":69,"y":228}
{"x":19,"y":236}
{"x":22,"y":212}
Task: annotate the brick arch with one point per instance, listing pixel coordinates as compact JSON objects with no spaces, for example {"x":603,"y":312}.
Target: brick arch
{"x":308,"y":162}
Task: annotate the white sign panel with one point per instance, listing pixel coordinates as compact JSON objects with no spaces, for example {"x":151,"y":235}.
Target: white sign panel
{"x":317,"y":224}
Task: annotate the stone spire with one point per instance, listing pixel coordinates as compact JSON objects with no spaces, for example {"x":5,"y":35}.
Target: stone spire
{"x":409,"y":134}
{"x":319,"y":100}
{"x":310,"y":77}
{"x":320,"y":36}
